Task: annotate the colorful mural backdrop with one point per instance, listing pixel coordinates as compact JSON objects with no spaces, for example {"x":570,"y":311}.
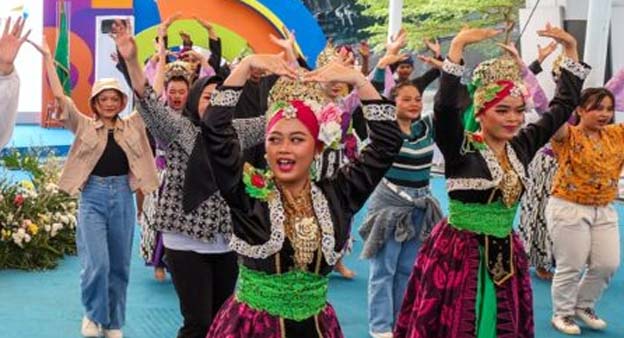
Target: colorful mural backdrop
{"x":238,"y":23}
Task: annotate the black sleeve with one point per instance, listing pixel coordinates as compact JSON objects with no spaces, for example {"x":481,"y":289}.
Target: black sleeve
{"x":215,"y":54}
{"x":359,"y":123}
{"x":447,"y":113}
{"x":423,"y":81}
{"x":532,"y":137}
{"x":355,"y":181}
{"x":227,"y":164}
{"x":535,"y":67}
{"x":123,"y":68}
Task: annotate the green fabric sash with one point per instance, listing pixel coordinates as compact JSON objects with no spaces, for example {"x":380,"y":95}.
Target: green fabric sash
{"x":494,"y":219}
{"x":486,"y":311}
{"x":295,"y":295}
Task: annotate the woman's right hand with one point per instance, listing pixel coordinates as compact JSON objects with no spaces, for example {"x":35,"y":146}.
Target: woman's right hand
{"x":270,"y":63}
{"x":389,"y":59}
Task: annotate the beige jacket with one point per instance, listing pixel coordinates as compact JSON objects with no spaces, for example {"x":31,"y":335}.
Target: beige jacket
{"x":90,"y":142}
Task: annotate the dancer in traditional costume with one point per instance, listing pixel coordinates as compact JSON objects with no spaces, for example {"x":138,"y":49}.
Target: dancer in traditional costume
{"x":471,"y":276}
{"x":289,"y":230}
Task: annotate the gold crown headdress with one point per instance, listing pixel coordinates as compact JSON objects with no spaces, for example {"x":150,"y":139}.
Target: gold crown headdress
{"x":327,"y":55}
{"x":286,"y":90}
{"x":487,"y":77}
{"x":179,"y":69}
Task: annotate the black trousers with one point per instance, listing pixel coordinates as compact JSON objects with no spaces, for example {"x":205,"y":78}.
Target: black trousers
{"x":203,"y":283}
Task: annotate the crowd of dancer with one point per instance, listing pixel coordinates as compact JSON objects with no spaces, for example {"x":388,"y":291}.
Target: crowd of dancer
{"x":248,"y":175}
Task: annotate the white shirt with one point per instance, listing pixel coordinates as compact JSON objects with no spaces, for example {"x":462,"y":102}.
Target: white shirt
{"x":9,"y":94}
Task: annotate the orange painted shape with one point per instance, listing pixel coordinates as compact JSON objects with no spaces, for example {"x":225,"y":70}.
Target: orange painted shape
{"x":108,"y":4}
{"x":234,"y":15}
{"x":81,"y":58}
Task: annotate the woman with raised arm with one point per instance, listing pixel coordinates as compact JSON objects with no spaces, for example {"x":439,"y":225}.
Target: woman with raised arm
{"x":191,"y":214}
{"x":289,"y":230}
{"x":109,"y":160}
{"x":471,"y":276}
{"x":580,"y":215}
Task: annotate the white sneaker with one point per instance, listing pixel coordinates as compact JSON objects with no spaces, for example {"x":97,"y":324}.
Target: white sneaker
{"x":381,"y":335}
{"x":89,"y":328}
{"x":113,"y":333}
{"x":566,"y":325}
{"x":588,"y":316}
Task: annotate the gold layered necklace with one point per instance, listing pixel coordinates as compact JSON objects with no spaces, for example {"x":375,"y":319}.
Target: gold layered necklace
{"x":510,"y":185}
{"x":301,"y":226}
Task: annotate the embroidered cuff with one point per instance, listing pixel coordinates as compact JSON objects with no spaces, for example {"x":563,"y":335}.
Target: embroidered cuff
{"x":453,"y":68}
{"x":225,"y":98}
{"x":379,"y":112}
{"x":579,"y":69}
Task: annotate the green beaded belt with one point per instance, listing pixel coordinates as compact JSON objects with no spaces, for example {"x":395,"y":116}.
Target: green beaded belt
{"x":295,"y":295}
{"x":494,"y":219}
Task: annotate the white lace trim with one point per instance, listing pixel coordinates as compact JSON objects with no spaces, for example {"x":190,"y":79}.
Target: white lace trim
{"x":517,"y":165}
{"x":578,"y":69}
{"x":452,"y":68}
{"x":495,"y":171}
{"x":276,"y":240}
{"x":225,"y":98}
{"x":277,"y":217}
{"x":379,"y":112}
{"x":323,"y":216}
{"x":453,"y":184}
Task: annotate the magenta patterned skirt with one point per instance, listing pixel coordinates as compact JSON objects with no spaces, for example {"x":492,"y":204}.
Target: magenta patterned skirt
{"x":440,"y":300}
{"x":238,"y":320}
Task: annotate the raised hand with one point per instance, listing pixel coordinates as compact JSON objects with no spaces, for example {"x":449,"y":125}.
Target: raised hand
{"x":397,"y":42}
{"x":431,"y":61}
{"x":564,"y":38}
{"x":389,"y":59}
{"x":126,"y":45}
{"x":434,"y":47}
{"x":336,"y":72}
{"x":271,"y":63}
{"x":10,"y":43}
{"x":205,"y":23}
{"x":288,"y":43}
{"x":544,"y":52}
{"x":468,"y":36}
{"x":513,"y":52}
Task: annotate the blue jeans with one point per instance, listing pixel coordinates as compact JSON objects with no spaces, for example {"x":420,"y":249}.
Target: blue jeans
{"x":106,"y":221}
{"x":389,"y":273}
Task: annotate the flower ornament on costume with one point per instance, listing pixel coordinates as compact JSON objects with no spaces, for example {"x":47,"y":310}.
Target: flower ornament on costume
{"x":258,"y":183}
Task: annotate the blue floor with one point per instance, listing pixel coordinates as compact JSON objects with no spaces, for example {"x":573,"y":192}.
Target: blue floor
{"x":47,"y":304}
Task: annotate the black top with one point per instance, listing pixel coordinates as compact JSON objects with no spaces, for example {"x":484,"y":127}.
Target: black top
{"x":535,"y":67}
{"x":113,"y":161}
{"x":335,"y":199}
{"x":461,"y":166}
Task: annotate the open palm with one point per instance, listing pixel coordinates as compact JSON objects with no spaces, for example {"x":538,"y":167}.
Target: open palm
{"x":124,"y":40}
{"x":11,"y":41}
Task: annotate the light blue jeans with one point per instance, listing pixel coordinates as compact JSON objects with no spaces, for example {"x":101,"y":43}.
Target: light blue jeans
{"x":389,"y":273}
{"x":106,"y":221}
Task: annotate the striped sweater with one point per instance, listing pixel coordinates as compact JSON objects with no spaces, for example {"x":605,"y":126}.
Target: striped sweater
{"x":412,"y":166}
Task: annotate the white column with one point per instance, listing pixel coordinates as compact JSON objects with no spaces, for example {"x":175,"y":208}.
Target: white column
{"x":394,"y":25}
{"x":597,"y":40}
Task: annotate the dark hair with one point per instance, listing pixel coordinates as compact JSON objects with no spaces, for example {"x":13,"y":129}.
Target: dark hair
{"x":401,"y":85}
{"x":177,"y":78}
{"x":591,"y":99}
